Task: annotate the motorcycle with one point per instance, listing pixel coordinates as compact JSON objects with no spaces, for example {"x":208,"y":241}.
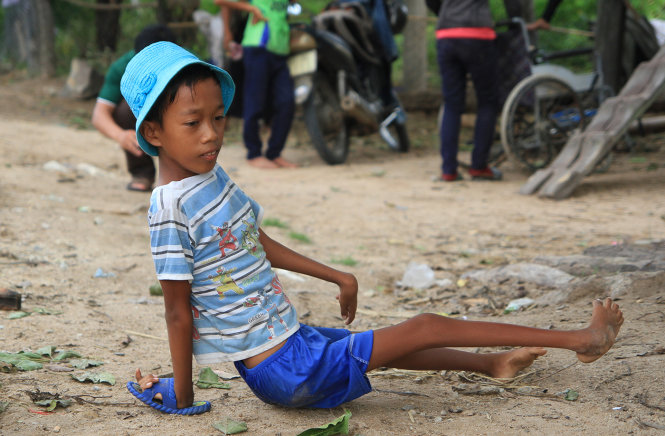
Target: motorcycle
{"x":342,"y":80}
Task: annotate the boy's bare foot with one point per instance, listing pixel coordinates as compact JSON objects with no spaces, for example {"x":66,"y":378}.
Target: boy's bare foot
{"x":283,"y":163}
{"x":509,"y":363}
{"x":262,"y":162}
{"x":606,"y":321}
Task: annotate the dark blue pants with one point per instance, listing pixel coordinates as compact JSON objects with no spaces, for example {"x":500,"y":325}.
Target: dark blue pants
{"x":267,"y":92}
{"x":457,"y":57}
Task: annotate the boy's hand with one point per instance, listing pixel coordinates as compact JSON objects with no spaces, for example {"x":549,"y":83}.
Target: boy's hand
{"x":147,"y":381}
{"x":128,"y":141}
{"x":348,"y":297}
{"x":258,"y":16}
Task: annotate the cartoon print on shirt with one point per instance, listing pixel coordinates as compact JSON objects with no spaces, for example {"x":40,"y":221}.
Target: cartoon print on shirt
{"x":264,"y":300}
{"x":226,"y":282}
{"x":250,"y":239}
{"x":228,"y":240}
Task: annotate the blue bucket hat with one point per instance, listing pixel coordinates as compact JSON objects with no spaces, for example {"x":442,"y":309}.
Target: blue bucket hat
{"x":148,"y":73}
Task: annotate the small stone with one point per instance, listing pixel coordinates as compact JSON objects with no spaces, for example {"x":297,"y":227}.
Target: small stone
{"x":56,"y":429}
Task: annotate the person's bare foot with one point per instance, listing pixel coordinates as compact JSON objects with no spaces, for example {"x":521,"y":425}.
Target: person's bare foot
{"x":606,"y":321}
{"x":509,"y":363}
{"x":262,"y":162}
{"x":283,"y":163}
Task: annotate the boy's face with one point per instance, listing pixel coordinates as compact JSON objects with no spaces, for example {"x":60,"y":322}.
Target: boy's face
{"x":191,"y":133}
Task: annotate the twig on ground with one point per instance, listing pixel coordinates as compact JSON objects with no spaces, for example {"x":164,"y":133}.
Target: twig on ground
{"x":628,"y":373}
{"x":642,"y":399}
{"x":556,"y":372}
{"x":130,"y":332}
{"x":650,"y":424}
{"x":404,"y":393}
{"x":662,"y":315}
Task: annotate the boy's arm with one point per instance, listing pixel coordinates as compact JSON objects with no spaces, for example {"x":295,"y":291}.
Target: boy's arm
{"x":242,"y":6}
{"x":283,"y":257}
{"x":179,"y":324}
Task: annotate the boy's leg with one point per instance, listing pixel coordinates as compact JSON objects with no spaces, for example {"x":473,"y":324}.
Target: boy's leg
{"x":283,"y":105}
{"x":254,"y":97}
{"x":499,"y":365}
{"x":429,"y":331}
{"x":453,"y":84}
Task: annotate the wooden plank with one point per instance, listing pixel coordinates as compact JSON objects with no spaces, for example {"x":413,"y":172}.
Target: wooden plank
{"x":568,"y":153}
{"x":590,"y":146}
{"x":563,"y":186}
{"x":593,"y":151}
{"x":585,"y":150}
{"x":646,"y":78}
{"x":536,"y":180}
{"x":561,"y":180}
{"x":616,"y":114}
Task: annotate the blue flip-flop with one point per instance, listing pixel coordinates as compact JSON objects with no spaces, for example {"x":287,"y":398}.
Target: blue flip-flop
{"x":168,"y":404}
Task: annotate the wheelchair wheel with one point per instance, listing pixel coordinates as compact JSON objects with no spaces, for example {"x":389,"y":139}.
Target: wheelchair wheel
{"x":539,"y":116}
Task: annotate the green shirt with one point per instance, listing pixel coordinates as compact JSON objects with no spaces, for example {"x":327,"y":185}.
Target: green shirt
{"x":274,"y":34}
{"x":110,"y":91}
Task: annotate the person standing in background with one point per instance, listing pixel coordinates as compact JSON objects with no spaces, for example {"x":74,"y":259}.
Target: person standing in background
{"x":268,"y":86}
{"x":465,"y":44}
{"x":114,"y":119}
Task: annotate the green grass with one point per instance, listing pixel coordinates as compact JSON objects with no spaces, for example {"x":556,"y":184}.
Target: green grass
{"x":346,"y":261}
{"x":300,"y":237}
{"x":275,"y":222}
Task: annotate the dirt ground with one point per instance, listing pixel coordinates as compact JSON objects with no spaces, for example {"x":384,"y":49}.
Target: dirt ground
{"x":371,"y":216}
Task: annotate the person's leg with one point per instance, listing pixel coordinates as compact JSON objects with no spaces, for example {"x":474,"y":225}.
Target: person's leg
{"x":254,"y":101}
{"x":283,"y":108}
{"x":482,"y":65}
{"x":404,"y":343}
{"x":453,"y":84}
{"x":499,"y":365}
{"x":142,"y":168}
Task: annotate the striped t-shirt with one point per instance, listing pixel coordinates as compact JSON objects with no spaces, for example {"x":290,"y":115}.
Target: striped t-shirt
{"x":204,"y":229}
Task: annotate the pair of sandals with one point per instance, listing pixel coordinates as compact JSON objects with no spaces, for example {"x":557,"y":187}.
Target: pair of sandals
{"x":168,"y":403}
{"x":140,"y":184}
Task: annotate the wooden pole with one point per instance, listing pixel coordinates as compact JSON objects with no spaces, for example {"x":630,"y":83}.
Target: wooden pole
{"x":45,"y":37}
{"x":415,"y":48}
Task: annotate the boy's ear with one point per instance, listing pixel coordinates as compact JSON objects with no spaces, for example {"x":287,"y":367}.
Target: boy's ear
{"x":150,"y":132}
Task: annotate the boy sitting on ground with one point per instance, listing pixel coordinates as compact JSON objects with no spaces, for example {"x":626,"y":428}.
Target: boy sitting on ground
{"x":223,"y":300}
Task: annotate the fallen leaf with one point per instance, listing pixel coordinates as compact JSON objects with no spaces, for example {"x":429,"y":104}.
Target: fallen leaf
{"x":45,"y":311}
{"x":338,"y":426}
{"x":230,"y":426}
{"x":208,"y":379}
{"x":52,"y":404}
{"x":47,"y":350}
{"x":66,"y":354}
{"x":84,"y":363}
{"x":156,"y":290}
{"x":19,"y":314}
{"x":571,"y":395}
{"x":99,"y":377}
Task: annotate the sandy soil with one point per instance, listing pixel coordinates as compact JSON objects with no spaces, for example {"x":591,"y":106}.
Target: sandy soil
{"x":381,"y":210}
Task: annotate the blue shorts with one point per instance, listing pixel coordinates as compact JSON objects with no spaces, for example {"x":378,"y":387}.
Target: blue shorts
{"x":317,"y":367}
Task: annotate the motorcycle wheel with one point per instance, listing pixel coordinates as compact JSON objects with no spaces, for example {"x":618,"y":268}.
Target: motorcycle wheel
{"x":327,"y":127}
